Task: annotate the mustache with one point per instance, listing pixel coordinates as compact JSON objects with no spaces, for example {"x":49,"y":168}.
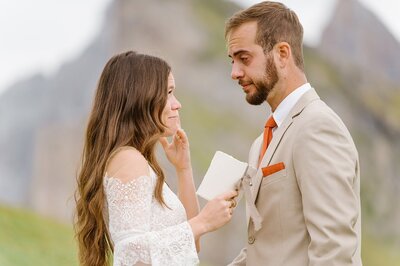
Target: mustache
{"x":243,"y":82}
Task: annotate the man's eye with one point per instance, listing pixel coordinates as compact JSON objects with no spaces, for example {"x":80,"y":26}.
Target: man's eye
{"x":244,"y":59}
{"x":169,"y":92}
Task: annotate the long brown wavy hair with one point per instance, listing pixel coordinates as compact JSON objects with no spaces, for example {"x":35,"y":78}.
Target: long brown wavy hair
{"x":128,"y":104}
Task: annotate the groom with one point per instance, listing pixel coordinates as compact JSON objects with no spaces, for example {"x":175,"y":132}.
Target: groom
{"x":307,"y":185}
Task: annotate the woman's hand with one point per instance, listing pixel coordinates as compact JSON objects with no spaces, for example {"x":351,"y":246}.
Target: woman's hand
{"x":216,"y":213}
{"x":177,"y":151}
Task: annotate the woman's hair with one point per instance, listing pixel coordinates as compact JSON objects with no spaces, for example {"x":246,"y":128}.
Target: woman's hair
{"x":275,"y":23}
{"x":127,"y":111}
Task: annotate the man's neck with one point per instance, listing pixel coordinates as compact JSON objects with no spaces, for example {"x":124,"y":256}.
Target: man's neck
{"x":284,"y":87}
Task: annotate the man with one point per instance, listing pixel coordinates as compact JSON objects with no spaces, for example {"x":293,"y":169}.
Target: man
{"x":307,"y":185}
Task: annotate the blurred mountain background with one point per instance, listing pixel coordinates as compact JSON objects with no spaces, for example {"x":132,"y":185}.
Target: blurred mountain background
{"x":355,"y":69}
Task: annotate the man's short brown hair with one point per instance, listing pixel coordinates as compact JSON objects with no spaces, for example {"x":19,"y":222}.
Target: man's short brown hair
{"x":275,"y":23}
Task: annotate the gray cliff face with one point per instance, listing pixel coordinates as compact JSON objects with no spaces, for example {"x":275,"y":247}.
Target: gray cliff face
{"x":356,"y":38}
{"x":42,"y":120}
{"x":32,"y":105}
{"x":364,"y":65}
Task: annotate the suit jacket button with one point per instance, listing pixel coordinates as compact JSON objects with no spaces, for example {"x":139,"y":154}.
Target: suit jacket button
{"x":251,"y":240}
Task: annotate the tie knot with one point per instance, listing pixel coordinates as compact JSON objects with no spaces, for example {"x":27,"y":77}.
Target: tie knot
{"x":270,"y":122}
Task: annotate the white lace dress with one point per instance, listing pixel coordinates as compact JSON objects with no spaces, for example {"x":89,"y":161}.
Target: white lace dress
{"x":142,"y":230}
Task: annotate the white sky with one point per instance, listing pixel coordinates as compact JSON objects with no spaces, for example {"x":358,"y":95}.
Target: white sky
{"x":315,"y":14}
{"x":39,"y":35}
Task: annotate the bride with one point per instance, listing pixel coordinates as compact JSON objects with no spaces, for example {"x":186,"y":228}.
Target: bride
{"x":124,"y":207}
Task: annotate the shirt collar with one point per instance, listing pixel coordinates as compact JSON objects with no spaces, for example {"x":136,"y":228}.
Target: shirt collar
{"x":283,"y":109}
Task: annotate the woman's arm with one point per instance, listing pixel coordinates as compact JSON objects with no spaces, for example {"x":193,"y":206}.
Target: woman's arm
{"x":178,"y":153}
{"x":187,"y":192}
{"x":217,"y":212}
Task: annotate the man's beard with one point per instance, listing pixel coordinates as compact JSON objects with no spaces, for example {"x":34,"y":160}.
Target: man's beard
{"x":264,"y":87}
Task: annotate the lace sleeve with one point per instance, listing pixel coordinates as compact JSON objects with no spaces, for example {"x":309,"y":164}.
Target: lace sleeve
{"x":130,"y":225}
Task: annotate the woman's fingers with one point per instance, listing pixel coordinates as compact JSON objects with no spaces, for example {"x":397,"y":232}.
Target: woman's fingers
{"x":229,"y":200}
{"x":233,"y":203}
{"x":180,"y":135}
{"x":228,"y":195}
{"x":164,"y":142}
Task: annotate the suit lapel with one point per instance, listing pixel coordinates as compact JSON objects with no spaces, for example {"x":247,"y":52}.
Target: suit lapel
{"x":276,"y":139}
{"x":304,"y":100}
{"x":253,"y":161}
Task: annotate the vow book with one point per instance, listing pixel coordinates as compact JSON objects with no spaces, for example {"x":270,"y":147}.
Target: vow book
{"x":222,"y":175}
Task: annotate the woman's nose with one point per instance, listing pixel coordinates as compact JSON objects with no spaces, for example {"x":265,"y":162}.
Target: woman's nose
{"x":176,"y":105}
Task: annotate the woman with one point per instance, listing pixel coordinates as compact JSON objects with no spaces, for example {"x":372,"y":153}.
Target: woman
{"x":123,"y":204}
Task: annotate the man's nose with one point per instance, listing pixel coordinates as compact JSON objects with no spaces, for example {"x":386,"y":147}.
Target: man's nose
{"x":237,"y":72}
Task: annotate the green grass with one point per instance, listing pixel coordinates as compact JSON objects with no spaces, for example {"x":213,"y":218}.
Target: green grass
{"x":376,"y":252}
{"x":28,"y":239}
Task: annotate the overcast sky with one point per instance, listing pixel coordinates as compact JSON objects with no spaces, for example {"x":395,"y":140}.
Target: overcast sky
{"x":38,"y":35}
{"x":315,"y":14}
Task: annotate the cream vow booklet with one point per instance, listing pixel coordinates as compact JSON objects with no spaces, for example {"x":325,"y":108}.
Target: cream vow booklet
{"x":222,"y":175}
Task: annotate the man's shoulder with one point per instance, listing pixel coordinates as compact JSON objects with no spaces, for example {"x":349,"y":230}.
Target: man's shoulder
{"x":310,"y":107}
{"x":319,"y":117}
{"x":318,"y":110}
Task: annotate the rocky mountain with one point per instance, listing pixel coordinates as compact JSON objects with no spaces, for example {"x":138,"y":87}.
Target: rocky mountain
{"x":364,"y":67}
{"x":42,"y":119}
{"x":356,"y":38}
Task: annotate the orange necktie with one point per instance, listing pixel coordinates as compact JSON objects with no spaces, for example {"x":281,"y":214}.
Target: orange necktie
{"x":267,"y":136}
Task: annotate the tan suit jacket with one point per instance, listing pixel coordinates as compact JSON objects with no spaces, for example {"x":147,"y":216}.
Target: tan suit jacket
{"x":310,"y":209}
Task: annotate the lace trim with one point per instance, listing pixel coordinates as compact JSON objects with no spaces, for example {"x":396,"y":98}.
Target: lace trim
{"x":142,"y":230}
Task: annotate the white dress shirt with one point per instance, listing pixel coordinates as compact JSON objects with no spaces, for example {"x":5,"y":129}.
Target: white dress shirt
{"x":284,"y":108}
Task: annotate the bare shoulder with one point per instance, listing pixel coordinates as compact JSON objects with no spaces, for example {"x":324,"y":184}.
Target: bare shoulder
{"x":127,"y":164}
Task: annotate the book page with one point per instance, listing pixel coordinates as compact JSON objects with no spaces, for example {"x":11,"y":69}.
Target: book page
{"x":222,"y":175}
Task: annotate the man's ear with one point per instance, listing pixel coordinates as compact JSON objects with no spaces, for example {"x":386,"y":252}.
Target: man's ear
{"x":283,"y":53}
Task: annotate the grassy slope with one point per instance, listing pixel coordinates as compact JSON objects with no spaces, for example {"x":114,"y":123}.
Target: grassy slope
{"x":377,"y":252}
{"x":28,"y":239}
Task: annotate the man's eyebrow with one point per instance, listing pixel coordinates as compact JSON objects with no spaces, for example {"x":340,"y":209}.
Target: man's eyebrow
{"x":238,"y":53}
